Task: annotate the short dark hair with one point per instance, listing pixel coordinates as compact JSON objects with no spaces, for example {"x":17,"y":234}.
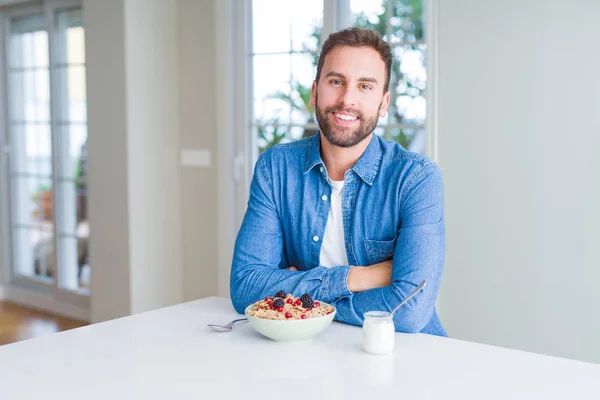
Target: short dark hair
{"x":358,"y":37}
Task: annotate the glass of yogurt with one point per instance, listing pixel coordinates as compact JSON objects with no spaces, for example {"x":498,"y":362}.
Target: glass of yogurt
{"x":378,"y":332}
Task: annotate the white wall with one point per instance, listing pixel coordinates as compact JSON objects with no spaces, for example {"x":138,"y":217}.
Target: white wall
{"x":198,"y":122}
{"x":135,"y":207}
{"x":519,"y":133}
{"x":107,"y":158}
{"x":151,"y":44}
{"x":228,"y":81}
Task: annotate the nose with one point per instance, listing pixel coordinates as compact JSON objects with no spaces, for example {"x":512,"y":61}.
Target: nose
{"x":348,"y":96}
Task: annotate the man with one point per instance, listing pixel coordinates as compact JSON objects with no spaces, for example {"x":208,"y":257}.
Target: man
{"x":345,"y":216}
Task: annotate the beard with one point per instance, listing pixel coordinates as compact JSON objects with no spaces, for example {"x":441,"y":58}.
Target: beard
{"x":342,"y":136}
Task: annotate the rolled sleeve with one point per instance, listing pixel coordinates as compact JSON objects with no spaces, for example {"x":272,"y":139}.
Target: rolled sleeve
{"x":335,"y":282}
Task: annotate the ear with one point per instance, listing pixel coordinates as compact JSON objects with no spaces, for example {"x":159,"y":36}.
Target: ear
{"x":385,"y":103}
{"x":313,"y":95}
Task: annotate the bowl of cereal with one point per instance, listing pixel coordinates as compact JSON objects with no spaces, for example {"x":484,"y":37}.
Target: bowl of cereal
{"x":286,"y":318}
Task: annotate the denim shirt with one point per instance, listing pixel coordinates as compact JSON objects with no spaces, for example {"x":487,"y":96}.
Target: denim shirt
{"x":393,"y":208}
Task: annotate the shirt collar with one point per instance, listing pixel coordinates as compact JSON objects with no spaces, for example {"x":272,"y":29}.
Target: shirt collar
{"x":366,"y":167}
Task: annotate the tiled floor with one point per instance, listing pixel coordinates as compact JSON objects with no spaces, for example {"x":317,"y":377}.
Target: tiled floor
{"x":20,"y":323}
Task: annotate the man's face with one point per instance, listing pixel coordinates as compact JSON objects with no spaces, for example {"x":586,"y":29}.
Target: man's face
{"x":349,"y":96}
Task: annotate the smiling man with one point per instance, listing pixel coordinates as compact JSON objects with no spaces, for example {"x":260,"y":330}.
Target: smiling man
{"x":346,"y":216}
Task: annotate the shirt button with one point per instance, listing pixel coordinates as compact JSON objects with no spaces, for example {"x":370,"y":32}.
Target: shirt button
{"x":321,"y":169}
{"x":315,"y":238}
{"x":324,"y":198}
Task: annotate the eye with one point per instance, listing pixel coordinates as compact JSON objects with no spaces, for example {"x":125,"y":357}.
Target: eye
{"x":365,"y":87}
{"x":336,"y":82}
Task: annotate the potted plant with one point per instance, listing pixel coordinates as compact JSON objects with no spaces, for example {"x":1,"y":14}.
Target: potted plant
{"x":301,"y":102}
{"x":43,"y":198}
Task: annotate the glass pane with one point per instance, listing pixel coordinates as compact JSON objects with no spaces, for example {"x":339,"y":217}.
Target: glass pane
{"x":72,"y":142}
{"x":70,"y":32}
{"x":299,"y":132}
{"x":32,"y":200}
{"x":68,"y":216}
{"x":306,"y":23}
{"x":81,"y":204}
{"x":34,"y":253}
{"x":409,"y":78}
{"x":369,"y":14}
{"x":271,"y":26}
{"x":270,"y":135}
{"x":31,"y":149}
{"x":272,"y":88}
{"x":27,"y":24}
{"x":407,"y":20}
{"x":83,"y":254}
{"x":29,"y":92}
{"x":75,"y":46}
{"x":74,"y":234}
{"x":75,"y":263}
{"x":405,"y":23}
{"x":72,"y":94}
{"x":28,"y":42}
{"x":71,"y":138}
{"x":284,"y":26}
{"x":411,"y":139}
{"x":304,"y":71}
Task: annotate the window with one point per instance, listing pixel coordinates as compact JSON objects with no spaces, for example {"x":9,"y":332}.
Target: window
{"x":400,"y":22}
{"x":286,"y":40}
{"x":46,"y":134}
{"x":285,"y":46}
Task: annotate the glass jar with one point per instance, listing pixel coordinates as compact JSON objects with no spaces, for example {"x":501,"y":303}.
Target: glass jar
{"x":378,"y":332}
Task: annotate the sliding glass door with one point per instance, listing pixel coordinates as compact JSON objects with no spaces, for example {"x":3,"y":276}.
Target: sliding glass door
{"x":46,"y":147}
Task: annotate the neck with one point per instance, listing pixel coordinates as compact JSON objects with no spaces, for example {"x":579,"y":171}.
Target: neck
{"x":338,"y":160}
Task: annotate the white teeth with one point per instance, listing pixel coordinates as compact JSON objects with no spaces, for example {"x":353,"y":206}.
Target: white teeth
{"x":345,"y":117}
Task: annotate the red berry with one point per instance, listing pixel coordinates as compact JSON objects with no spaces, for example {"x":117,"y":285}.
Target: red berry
{"x":317,"y":304}
{"x":280,"y":309}
{"x":271,"y":307}
{"x":298,"y":303}
{"x":309,"y":309}
{"x":303,"y":316}
{"x":328,"y":312}
{"x":290,"y":301}
{"x":288,"y":315}
{"x":268,"y":298}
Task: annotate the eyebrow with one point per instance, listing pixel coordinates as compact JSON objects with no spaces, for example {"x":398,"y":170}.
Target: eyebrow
{"x":363,"y":79}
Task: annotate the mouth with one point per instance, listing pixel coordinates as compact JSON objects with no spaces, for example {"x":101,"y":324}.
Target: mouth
{"x":344,"y":119}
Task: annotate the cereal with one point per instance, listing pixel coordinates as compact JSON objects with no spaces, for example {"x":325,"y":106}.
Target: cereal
{"x":286,"y":306}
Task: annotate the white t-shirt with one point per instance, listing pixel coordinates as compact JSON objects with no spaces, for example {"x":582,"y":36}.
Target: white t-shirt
{"x":333,"y":248}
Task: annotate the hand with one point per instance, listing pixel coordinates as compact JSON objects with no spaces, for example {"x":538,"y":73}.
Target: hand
{"x":371,"y":277}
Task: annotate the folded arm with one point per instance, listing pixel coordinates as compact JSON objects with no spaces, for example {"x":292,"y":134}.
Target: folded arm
{"x":259,"y":264}
{"x":419,"y":256}
{"x":259,"y":267}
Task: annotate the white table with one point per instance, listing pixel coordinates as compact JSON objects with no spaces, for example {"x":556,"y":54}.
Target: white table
{"x":171,"y":354}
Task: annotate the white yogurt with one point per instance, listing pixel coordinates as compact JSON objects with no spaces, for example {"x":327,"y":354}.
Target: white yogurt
{"x":378,"y":332}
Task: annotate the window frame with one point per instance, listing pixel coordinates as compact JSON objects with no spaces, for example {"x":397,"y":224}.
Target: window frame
{"x":336,"y":16}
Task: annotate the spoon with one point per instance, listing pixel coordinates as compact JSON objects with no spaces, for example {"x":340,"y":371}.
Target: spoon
{"x":229,"y":326}
{"x":225,"y":328}
{"x":421,"y":286}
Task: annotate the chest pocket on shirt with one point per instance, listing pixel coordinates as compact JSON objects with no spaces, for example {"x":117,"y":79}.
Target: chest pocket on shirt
{"x":379,"y":250}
